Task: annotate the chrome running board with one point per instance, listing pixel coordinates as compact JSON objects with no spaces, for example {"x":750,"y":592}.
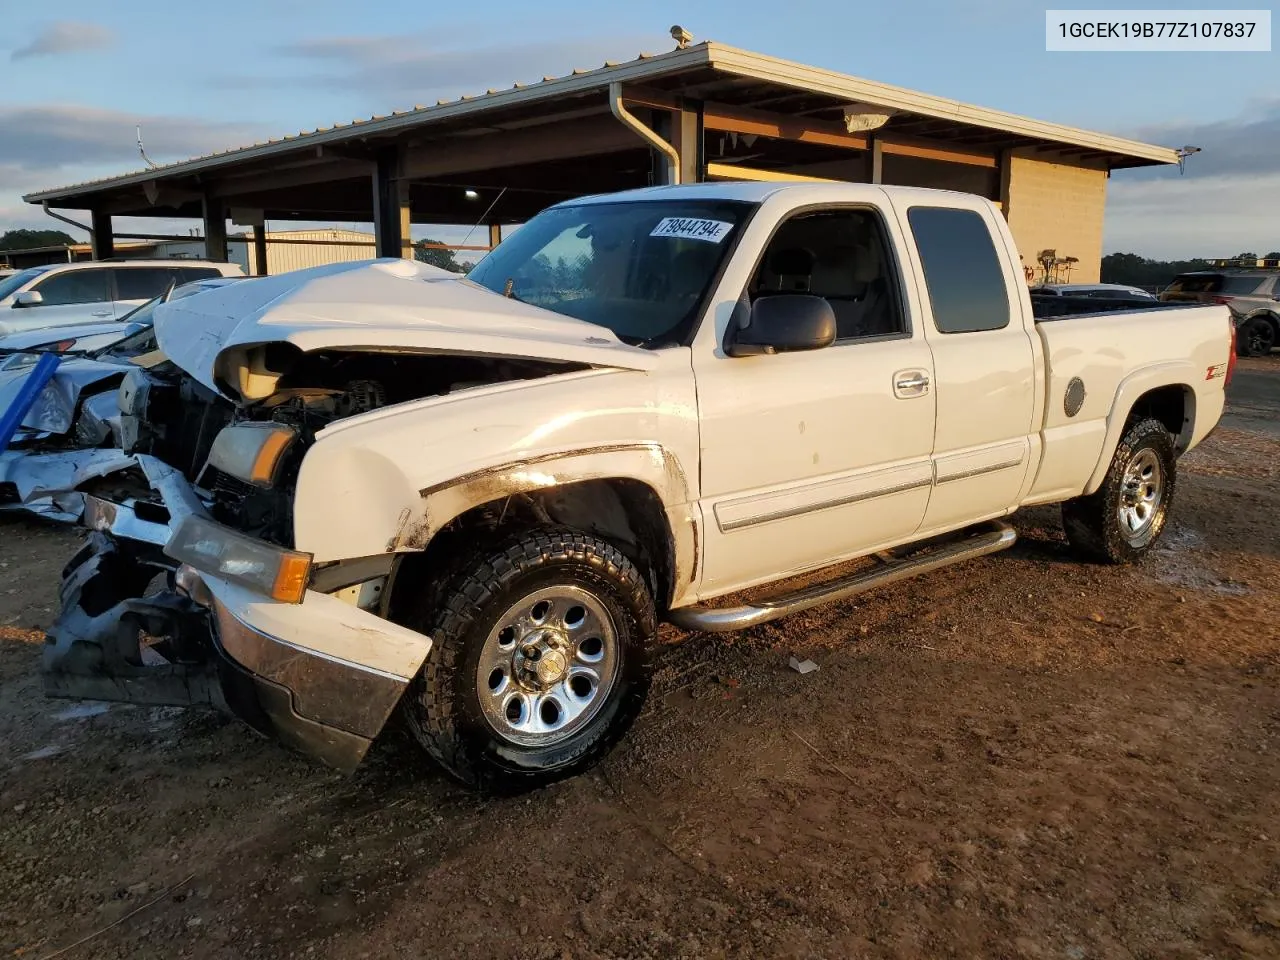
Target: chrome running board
{"x":978,"y":542}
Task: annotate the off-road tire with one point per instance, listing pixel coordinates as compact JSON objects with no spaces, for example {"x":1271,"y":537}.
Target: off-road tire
{"x":441,"y":706}
{"x":1256,"y":337}
{"x":1092,"y":523}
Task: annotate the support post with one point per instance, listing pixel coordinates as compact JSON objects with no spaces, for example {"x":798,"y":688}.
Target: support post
{"x":875,"y":160}
{"x":260,"y":247}
{"x":686,"y":129}
{"x":1006,"y":168}
{"x":101,"y":239}
{"x":495,"y":235}
{"x":215,"y":229}
{"x":391,"y":222}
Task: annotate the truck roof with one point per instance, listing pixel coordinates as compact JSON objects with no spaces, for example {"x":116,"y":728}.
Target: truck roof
{"x":749,"y":191}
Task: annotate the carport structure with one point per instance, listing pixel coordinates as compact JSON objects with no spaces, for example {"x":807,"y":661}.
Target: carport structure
{"x":698,"y":112}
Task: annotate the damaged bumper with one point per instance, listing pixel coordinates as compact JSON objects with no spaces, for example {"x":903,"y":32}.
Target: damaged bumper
{"x":322,"y":675}
{"x":44,"y":483}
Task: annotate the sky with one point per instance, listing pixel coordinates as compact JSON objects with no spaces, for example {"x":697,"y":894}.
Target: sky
{"x":78,"y":75}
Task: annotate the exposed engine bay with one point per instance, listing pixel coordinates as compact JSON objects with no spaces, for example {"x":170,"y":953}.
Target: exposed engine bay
{"x":168,"y":414}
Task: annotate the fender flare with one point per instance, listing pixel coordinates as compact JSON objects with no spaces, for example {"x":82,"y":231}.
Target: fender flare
{"x":1172,"y":373}
{"x":647,"y":463}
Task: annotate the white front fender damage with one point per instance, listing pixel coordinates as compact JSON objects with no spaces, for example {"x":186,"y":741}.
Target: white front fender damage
{"x":389,"y":480}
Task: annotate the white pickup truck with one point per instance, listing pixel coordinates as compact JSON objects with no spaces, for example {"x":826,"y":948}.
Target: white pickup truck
{"x":379,"y":485}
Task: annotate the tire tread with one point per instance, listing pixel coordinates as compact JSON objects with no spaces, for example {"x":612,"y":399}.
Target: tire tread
{"x":431,"y":705}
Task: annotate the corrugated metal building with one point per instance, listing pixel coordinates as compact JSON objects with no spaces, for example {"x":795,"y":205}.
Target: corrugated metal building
{"x":700,"y":112}
{"x":286,"y":250}
{"x":297,"y":249}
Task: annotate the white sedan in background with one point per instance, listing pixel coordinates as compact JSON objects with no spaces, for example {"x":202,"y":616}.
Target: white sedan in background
{"x":74,"y":420}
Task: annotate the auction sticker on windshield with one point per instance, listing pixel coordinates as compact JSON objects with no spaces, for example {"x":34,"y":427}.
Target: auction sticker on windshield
{"x":692,"y":228}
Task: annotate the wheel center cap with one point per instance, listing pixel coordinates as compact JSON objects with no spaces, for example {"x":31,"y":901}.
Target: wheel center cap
{"x":541,"y":658}
{"x":551,"y":667}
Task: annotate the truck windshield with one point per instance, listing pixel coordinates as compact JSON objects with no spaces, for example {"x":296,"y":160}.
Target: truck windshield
{"x":641,"y":269}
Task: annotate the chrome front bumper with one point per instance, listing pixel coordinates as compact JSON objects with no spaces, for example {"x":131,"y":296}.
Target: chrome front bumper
{"x":322,"y":676}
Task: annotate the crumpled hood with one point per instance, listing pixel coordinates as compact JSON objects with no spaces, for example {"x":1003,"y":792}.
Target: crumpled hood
{"x":392,"y":304}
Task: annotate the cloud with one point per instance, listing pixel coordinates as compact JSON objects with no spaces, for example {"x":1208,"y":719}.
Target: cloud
{"x":1244,"y":144}
{"x":1217,"y":206}
{"x":41,"y":137}
{"x":422,"y":70}
{"x":1181,"y":217}
{"x":66,"y":36}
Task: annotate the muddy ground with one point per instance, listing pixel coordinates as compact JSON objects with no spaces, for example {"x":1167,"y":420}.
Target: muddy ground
{"x":1022,"y":757}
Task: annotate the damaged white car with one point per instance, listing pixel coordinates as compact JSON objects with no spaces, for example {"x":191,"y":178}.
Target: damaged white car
{"x":72,"y":423}
{"x":377,"y":485}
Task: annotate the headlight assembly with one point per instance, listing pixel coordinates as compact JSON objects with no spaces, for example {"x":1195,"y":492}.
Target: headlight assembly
{"x":222,"y":552}
{"x":251,"y":451}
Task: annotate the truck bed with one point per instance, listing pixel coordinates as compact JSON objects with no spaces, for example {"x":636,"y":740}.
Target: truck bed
{"x":1085,"y":385}
{"x":1055,"y":307}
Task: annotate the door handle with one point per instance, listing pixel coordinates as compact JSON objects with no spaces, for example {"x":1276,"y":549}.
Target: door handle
{"x":908,"y":384}
{"x":102,"y":313}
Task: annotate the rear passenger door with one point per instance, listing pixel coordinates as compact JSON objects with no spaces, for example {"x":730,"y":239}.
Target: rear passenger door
{"x":136,"y":285}
{"x":983,"y":364}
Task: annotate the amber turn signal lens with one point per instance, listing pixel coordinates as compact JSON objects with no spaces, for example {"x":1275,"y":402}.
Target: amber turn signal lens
{"x":291,"y":578}
{"x":264,"y":464}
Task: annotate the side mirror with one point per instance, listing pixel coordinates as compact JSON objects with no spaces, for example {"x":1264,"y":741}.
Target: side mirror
{"x":781,"y":324}
{"x":28,"y":298}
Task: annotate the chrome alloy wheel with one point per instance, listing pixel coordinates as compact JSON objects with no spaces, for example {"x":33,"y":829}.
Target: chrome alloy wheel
{"x":547,"y":666}
{"x":1141,"y":493}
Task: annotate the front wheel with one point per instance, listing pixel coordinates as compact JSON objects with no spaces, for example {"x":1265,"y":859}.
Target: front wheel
{"x":1123,"y":520}
{"x":540,"y":661}
{"x":1256,"y":337}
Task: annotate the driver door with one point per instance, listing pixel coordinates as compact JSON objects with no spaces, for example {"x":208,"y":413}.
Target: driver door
{"x":813,"y":457}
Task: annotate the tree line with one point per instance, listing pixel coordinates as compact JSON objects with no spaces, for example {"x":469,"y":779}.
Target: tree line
{"x":1136,"y":271}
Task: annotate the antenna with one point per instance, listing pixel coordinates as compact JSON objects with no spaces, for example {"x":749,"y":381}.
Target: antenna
{"x":142,"y":150}
{"x":482,"y":216}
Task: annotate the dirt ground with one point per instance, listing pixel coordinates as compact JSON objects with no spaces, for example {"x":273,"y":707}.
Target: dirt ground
{"x":1021,"y":757}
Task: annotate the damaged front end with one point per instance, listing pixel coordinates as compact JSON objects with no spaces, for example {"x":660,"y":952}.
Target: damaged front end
{"x":322,"y":675}
{"x":190,"y":590}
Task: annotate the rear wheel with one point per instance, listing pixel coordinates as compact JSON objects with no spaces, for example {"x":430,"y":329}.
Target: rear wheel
{"x":1256,"y":337}
{"x":1122,"y":521}
{"x":539,"y":664}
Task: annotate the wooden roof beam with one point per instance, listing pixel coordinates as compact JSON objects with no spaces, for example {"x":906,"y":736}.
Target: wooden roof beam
{"x":926,"y":150}
{"x":760,"y":123}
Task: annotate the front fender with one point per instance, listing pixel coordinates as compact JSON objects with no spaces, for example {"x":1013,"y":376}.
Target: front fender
{"x":389,"y":480}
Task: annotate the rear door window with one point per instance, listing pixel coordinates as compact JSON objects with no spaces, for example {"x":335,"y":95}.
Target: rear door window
{"x":1241,"y":286}
{"x":961,"y":269}
{"x":143,"y":283}
{"x":189,"y":274}
{"x":74,"y":286}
